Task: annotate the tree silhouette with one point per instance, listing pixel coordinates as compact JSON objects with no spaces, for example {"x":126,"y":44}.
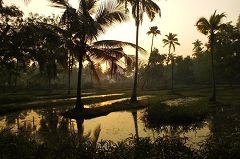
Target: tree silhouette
{"x":197,"y":47}
{"x":138,"y":8}
{"x":87,"y":24}
{"x":210,"y":27}
{"x":171,"y":41}
{"x":154,"y":31}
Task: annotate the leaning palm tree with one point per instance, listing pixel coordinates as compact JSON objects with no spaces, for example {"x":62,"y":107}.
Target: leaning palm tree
{"x":210,"y":27}
{"x":138,"y":8}
{"x":154,"y":31}
{"x":87,"y":23}
{"x":171,"y":41}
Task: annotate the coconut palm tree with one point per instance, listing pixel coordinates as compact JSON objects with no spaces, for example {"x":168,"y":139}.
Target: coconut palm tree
{"x":87,"y":23}
{"x":138,"y":8}
{"x":171,"y":40}
{"x":154,"y":31}
{"x":210,"y":27}
{"x":197,"y":48}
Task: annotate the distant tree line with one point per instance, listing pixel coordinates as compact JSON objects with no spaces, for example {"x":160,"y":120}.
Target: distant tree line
{"x":37,"y":50}
{"x":196,"y":70}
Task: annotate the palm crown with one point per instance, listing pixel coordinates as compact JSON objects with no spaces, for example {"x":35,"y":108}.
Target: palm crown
{"x":86,"y":24}
{"x":154,"y":31}
{"x":171,"y":40}
{"x":212,"y":25}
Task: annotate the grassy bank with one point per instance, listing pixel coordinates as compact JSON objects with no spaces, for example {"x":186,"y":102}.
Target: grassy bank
{"x":26,"y":100}
{"x":159,"y":113}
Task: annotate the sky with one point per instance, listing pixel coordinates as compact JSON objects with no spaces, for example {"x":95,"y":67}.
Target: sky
{"x":178,"y":17}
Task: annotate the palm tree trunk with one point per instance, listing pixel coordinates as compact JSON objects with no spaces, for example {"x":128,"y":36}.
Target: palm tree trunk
{"x":49,"y":83}
{"x":134,"y":92}
{"x":79,"y":104}
{"x":169,"y":50}
{"x":172,"y":72}
{"x":80,"y":128}
{"x":91,"y":78}
{"x":152,"y":44}
{"x":213,"y":98}
{"x":69,"y":73}
{"x":16,"y":77}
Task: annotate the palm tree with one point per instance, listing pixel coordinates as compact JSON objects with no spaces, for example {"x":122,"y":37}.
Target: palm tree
{"x":138,"y":8}
{"x":154,"y":31}
{"x":197,"y":47}
{"x":87,"y":24}
{"x":171,"y":41}
{"x":210,"y":27}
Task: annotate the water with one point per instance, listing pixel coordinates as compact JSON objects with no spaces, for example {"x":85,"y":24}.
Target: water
{"x":115,"y":126}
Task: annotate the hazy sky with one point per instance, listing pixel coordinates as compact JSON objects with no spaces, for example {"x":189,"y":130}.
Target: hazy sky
{"x":178,"y":16}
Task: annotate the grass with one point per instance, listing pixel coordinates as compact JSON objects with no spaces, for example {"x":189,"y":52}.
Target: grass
{"x":73,"y":146}
{"x":159,"y":113}
{"x":8,"y":108}
{"x":22,"y":100}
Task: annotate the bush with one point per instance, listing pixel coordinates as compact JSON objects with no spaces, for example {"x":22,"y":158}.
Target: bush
{"x":185,"y":113}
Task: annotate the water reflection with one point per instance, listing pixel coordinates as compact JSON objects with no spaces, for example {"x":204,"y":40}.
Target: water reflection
{"x":49,"y":127}
{"x":134,"y":114}
{"x":218,"y":133}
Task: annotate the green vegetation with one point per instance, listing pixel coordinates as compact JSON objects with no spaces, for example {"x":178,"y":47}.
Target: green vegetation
{"x":181,"y":114}
{"x":43,"y":59}
{"x":72,"y":146}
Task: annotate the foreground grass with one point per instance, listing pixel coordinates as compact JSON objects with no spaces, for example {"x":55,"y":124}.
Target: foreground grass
{"x":73,"y":146}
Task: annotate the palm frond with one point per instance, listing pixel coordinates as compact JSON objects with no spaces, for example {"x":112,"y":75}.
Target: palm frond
{"x":59,"y":3}
{"x":151,"y":9}
{"x":177,"y":43}
{"x":203,"y":25}
{"x":109,"y":13}
{"x":100,"y":55}
{"x":90,"y":6}
{"x":116,"y":44}
{"x":92,"y":67}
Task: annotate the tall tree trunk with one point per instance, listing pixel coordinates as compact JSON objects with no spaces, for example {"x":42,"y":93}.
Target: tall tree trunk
{"x":80,"y":128}
{"x":79,"y":104}
{"x":148,"y":65}
{"x":91,"y":78}
{"x":16,"y":77}
{"x":172,"y":72}
{"x":134,"y":91}
{"x":152,"y":44}
{"x":213,"y":98}
{"x":69,"y":73}
{"x":169,"y":51}
{"x":49,"y":83}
